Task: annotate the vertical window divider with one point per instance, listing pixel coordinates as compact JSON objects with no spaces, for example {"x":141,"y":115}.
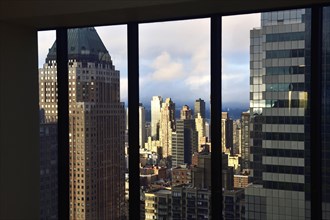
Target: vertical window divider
{"x":316,"y":112}
{"x":216,"y":156}
{"x":63,"y":123}
{"x":133,"y":119}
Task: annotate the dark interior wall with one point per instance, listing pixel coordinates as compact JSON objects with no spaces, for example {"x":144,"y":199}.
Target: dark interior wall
{"x":51,"y":14}
{"x":19,"y":123}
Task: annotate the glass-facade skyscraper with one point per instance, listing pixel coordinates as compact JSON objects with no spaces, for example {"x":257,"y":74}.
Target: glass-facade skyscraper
{"x":279,"y":111}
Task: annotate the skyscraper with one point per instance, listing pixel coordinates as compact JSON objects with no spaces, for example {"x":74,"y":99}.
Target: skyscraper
{"x":237,"y":132}
{"x":142,"y":126}
{"x":167,"y":126}
{"x":199,"y":108}
{"x":245,"y":140}
{"x":201,"y":130}
{"x":229,"y":135}
{"x":97,"y":125}
{"x":279,"y":111}
{"x":156,"y":104}
{"x":224,"y":117}
{"x":185,"y":112}
{"x":184,"y":142}
{"x":48,"y":170}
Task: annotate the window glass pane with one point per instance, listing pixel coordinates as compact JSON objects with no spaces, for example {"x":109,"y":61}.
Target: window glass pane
{"x":48,"y":128}
{"x":272,"y":157}
{"x":175,"y":111}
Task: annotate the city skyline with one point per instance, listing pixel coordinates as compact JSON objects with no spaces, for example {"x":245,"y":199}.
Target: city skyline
{"x":184,"y":60}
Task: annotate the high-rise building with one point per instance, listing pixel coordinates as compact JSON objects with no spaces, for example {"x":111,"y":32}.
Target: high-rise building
{"x":185,"y":112}
{"x":201,"y":130}
{"x":142,"y":126}
{"x":229,"y":133}
{"x":207,"y":130}
{"x":279,"y":112}
{"x":245,"y":140}
{"x":237,"y":132}
{"x":199,"y":108}
{"x":97,"y":125}
{"x":167,"y":126}
{"x":156,"y":105}
{"x":184,"y":142}
{"x":224,"y":117}
{"x":48,"y":170}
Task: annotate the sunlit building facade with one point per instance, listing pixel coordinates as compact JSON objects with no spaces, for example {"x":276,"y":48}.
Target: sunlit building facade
{"x":97,"y":125}
{"x":279,"y":111}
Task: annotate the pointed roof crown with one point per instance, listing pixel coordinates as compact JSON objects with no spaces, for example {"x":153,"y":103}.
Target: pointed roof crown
{"x":84,"y":44}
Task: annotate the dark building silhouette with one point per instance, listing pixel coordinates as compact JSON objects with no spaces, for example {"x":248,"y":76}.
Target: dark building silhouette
{"x":48,"y":170}
{"x":199,"y":108}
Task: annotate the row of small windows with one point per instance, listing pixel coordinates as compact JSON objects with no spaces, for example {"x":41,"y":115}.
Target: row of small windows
{"x":284,"y":87}
{"x":285,"y":70}
{"x":284,"y":136}
{"x":280,"y":120}
{"x":286,"y":103}
{"x":284,"y":153}
{"x":48,"y":77}
{"x":271,"y":54}
{"x":285,"y":169}
{"x":293,"y":36}
{"x":284,"y":186}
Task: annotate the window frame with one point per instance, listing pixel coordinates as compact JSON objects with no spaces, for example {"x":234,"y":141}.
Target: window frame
{"x":216,"y":90}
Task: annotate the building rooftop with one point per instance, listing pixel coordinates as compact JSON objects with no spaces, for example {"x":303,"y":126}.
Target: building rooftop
{"x":83,"y":44}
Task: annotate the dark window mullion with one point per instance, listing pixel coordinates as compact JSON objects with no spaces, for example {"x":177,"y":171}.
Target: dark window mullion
{"x":133,"y":120}
{"x":315,"y":118}
{"x":63,"y":123}
{"x":216,"y":156}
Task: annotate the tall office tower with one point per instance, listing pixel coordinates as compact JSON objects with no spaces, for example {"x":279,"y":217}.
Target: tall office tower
{"x":167,"y":126}
{"x":224,"y":117}
{"x":48,"y":170}
{"x":245,"y":140}
{"x":142,"y":126}
{"x":201,"y":131}
{"x":184,"y":142}
{"x":237,"y":137}
{"x":279,"y":111}
{"x":185,"y":112}
{"x":229,"y":133}
{"x":207,"y":130}
{"x":156,"y":104}
{"x":199,"y":108}
{"x":97,"y":125}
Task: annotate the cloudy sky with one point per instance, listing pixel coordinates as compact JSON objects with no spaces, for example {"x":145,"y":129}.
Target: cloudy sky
{"x":175,"y":58}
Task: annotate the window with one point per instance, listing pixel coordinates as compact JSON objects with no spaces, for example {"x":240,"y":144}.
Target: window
{"x":274,"y":134}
